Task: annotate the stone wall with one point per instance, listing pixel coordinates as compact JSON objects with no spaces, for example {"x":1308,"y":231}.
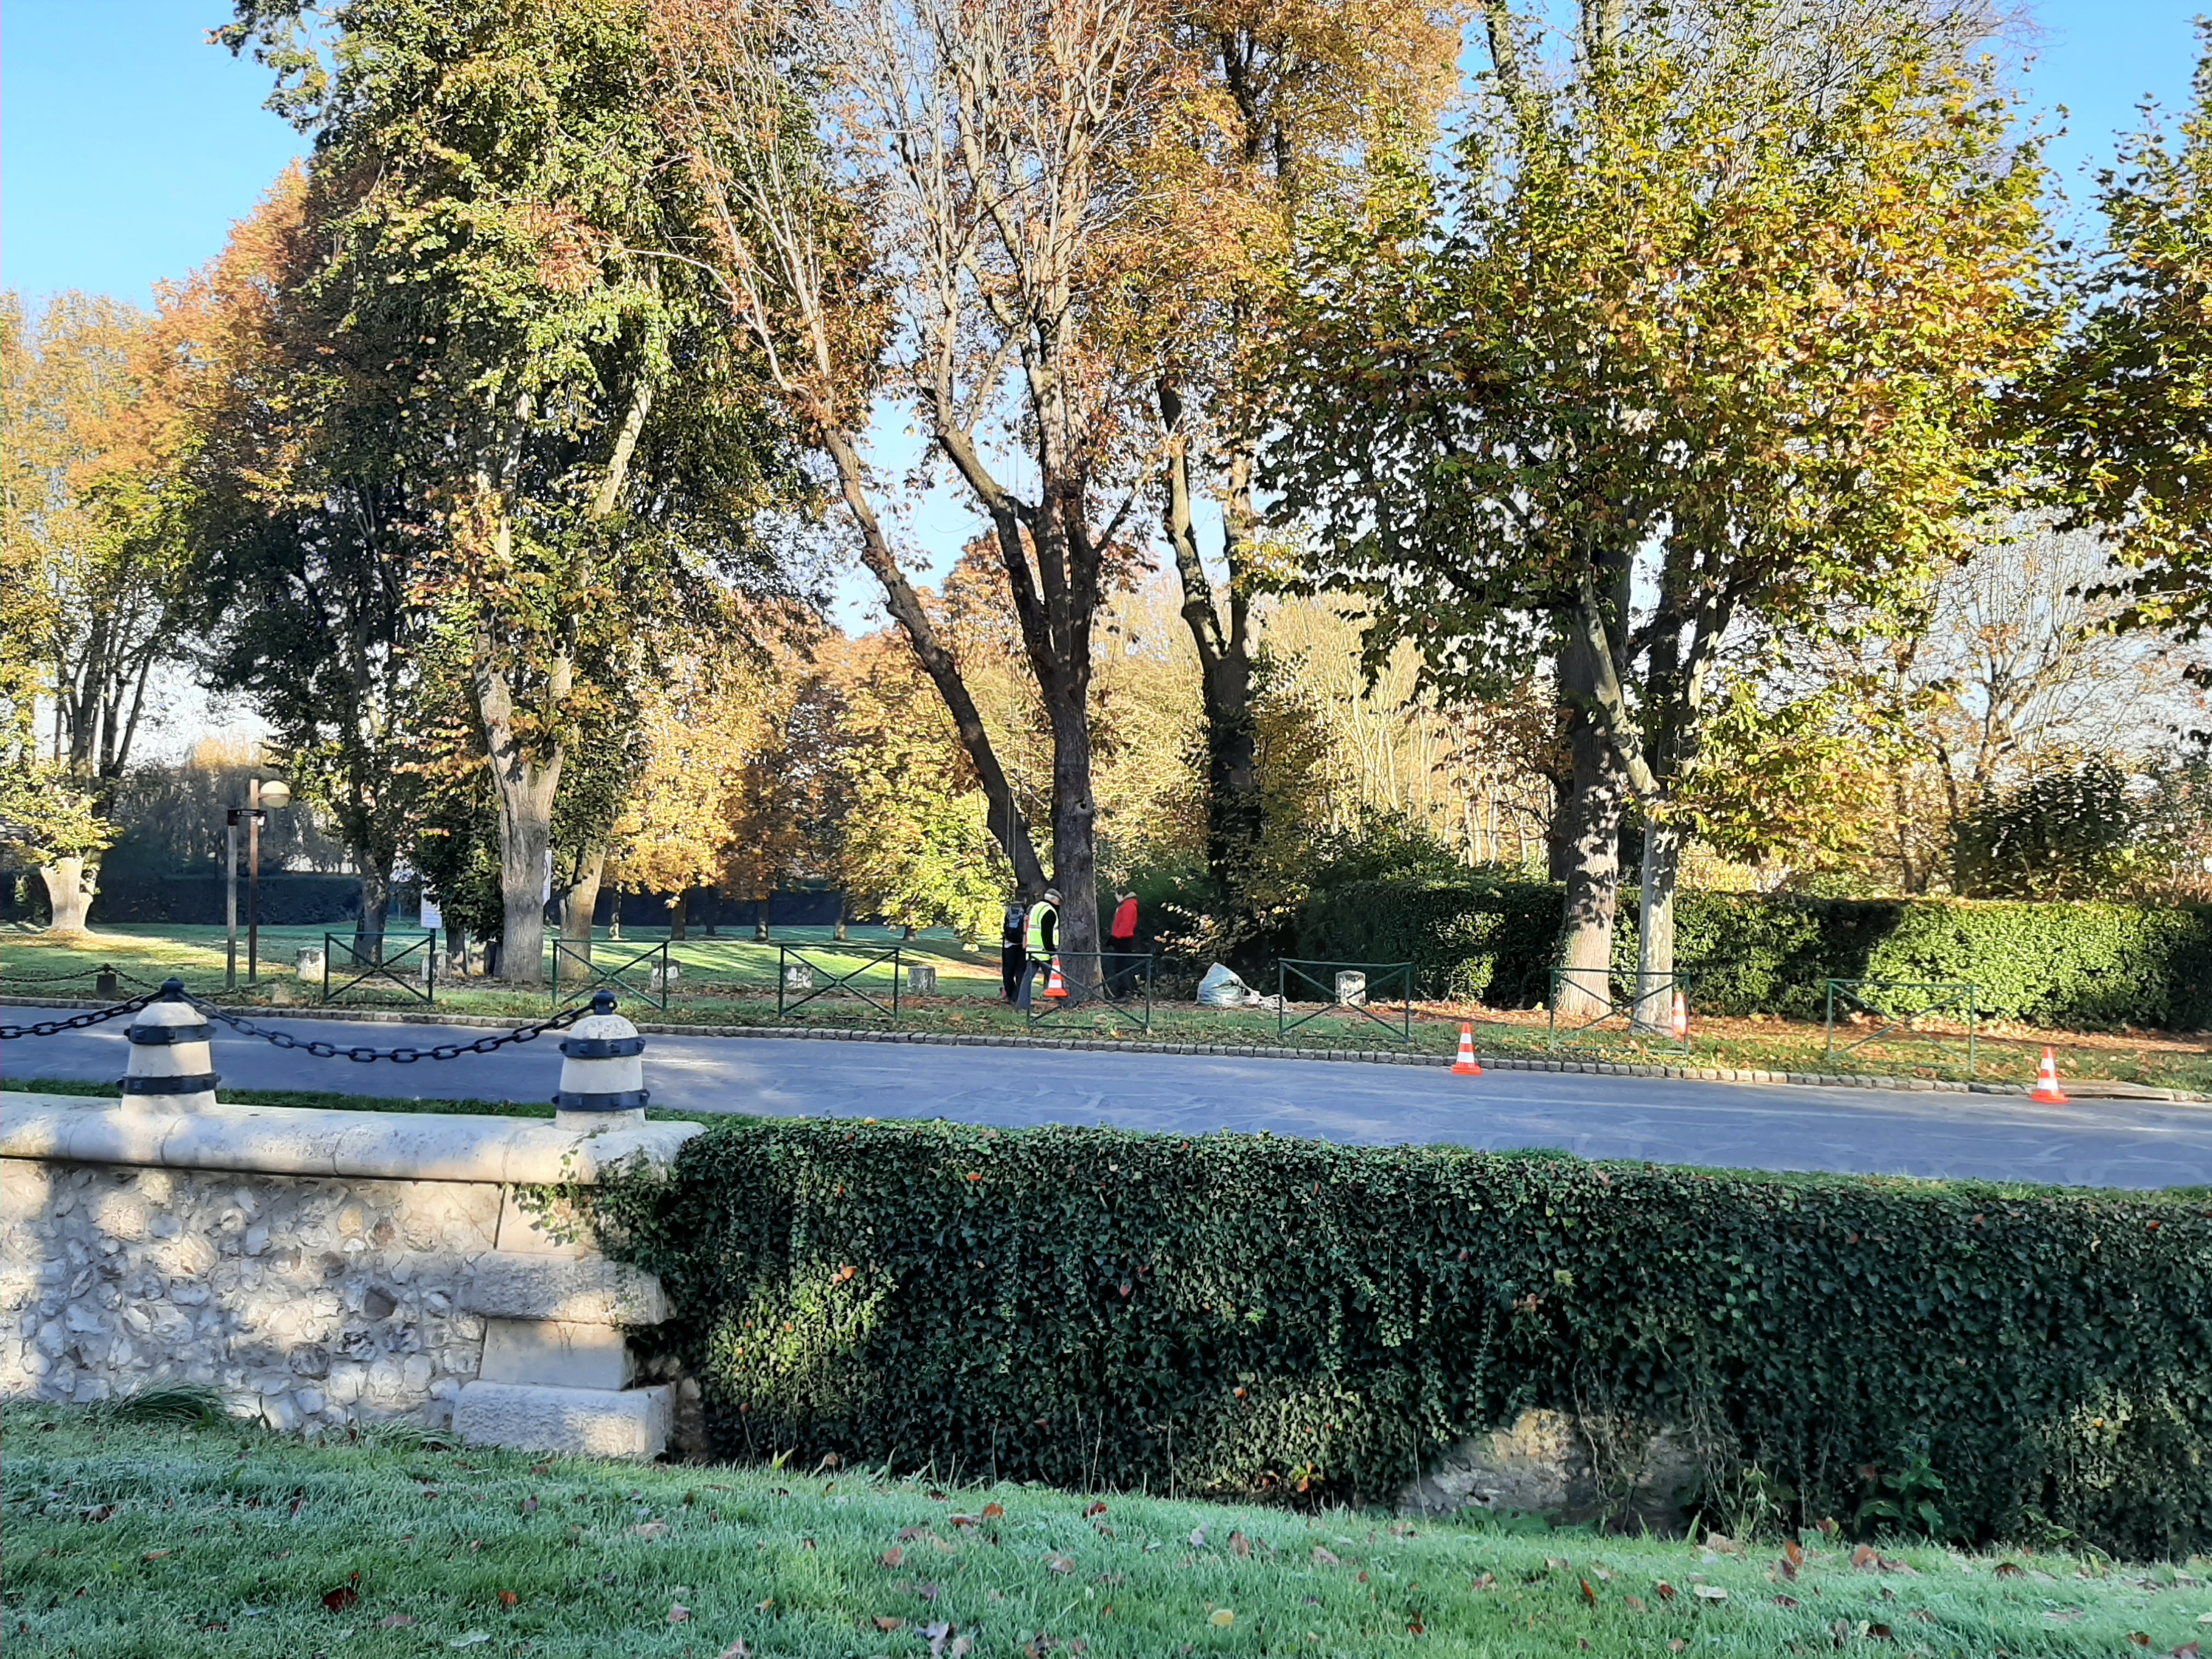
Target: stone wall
{"x":321,"y":1269}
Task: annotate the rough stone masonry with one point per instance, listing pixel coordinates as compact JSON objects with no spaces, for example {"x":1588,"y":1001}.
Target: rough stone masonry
{"x":325,"y":1268}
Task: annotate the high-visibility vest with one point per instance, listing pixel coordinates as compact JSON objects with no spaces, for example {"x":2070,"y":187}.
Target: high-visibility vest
{"x":1034,"y":940}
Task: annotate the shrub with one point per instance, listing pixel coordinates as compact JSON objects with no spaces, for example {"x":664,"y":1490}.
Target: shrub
{"x":1236,"y":1314}
{"x":2067,"y":964}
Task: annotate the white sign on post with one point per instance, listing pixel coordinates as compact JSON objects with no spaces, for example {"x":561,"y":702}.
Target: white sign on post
{"x":433,"y":918}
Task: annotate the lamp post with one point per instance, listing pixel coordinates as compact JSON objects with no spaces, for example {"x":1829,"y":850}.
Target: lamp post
{"x":260,"y":800}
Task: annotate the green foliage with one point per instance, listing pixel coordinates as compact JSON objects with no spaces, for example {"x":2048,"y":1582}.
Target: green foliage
{"x":49,"y":814}
{"x":1221,"y":1312}
{"x":2069,"y":833}
{"x":2065,"y":965}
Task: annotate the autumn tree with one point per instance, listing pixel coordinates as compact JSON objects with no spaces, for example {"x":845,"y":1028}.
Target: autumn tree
{"x":498,"y":211}
{"x":1697,"y":338}
{"x":956,"y":245}
{"x":2124,"y":414}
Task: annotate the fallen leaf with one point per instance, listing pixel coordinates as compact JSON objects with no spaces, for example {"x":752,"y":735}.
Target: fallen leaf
{"x":1676,"y":1645}
{"x":737,"y":1649}
{"x":396,"y":1621}
{"x":2188,"y":1650}
{"x":1636,"y":1604}
{"x":541,"y":1468}
{"x":1240,"y":1545}
{"x":508,"y":1599}
{"x":2004,"y":1569}
{"x":1096,"y":1509}
{"x":1879,"y":1632}
{"x":1060,"y":1563}
{"x":1322,"y":1557}
{"x":1589,"y":1595}
{"x":994,"y":1511}
{"x":678,"y":1614}
{"x":1223,"y":1618}
{"x":1793,"y":1552}
{"x":1489,"y":1581}
{"x":474,"y":1638}
{"x":651,"y":1529}
{"x":893,"y":1556}
{"x":1198,"y":1538}
{"x":529,"y":1504}
{"x":2139,"y":1637}
{"x":1666,"y":1590}
{"x":1865,"y":1556}
{"x":886,"y":1623}
{"x":1785,"y":1601}
{"x":155,"y":1555}
{"x":339,"y":1599}
{"x":943,"y":1549}
{"x":1709,"y":1592}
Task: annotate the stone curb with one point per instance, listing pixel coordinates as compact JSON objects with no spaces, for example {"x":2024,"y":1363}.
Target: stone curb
{"x":1226,"y":1050}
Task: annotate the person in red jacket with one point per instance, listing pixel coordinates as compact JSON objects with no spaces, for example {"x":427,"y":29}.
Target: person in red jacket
{"x":1121,"y":939}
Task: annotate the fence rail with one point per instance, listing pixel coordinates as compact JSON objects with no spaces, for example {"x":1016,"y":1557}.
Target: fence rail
{"x":1596,"y":984}
{"x":1119,"y":980}
{"x":1349,"y":988}
{"x":796,"y":965}
{"x":587,"y":964}
{"x":369,"y":962}
{"x":1894,"y":1008}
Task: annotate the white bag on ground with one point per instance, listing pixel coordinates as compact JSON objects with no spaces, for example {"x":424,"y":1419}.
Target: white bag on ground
{"x":1222,"y":989}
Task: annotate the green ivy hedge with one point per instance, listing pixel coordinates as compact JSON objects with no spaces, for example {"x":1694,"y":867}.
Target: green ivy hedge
{"x":2067,"y":964}
{"x":1236,"y":1313}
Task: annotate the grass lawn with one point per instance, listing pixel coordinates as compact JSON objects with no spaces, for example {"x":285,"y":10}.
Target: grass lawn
{"x":122,"y":1538}
{"x":730,"y":980}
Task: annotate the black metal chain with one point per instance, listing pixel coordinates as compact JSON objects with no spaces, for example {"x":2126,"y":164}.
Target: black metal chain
{"x":75,"y":1022}
{"x":400,"y":1056}
{"x":54,"y":979}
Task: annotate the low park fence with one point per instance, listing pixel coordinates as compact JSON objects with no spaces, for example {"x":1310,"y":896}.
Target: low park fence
{"x":1883,"y":1013}
{"x":1085,"y":984}
{"x":1655,"y":1007}
{"x":1347,"y":992}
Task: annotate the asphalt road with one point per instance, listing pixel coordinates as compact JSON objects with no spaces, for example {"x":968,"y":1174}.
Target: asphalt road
{"x":2104,"y":1143}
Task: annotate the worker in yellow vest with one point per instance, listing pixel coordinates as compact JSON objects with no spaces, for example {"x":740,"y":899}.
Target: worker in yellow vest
{"x":1040,"y":939}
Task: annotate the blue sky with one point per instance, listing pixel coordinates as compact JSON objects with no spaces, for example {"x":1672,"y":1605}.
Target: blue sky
{"x":128,"y":144}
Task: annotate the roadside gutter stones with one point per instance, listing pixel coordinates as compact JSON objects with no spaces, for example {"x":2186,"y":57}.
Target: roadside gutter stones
{"x":326,"y":1269}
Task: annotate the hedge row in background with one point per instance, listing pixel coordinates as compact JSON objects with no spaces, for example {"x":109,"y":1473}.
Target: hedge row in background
{"x":2068,"y":964}
{"x":1238,"y":1315}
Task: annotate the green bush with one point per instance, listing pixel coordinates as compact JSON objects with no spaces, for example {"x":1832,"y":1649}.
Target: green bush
{"x":2065,"y":965}
{"x":1234,"y":1315}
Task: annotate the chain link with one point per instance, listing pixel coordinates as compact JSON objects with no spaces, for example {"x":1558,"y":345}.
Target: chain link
{"x":54,"y":979}
{"x":75,"y":1022}
{"x":399,"y":1056}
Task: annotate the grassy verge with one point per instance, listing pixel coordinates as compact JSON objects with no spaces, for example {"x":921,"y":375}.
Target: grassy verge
{"x":128,"y":1539}
{"x":730,"y":983}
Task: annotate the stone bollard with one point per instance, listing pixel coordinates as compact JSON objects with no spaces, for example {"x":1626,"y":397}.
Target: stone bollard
{"x":169,"y":1066}
{"x":311,"y":964}
{"x":921,"y":979}
{"x":1351,"y":990}
{"x":667,"y":979}
{"x":602,"y":1075}
{"x":798,"y":976}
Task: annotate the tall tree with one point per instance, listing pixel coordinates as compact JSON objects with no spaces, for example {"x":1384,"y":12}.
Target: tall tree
{"x":499,"y":196}
{"x":1286,"y":98}
{"x":2124,"y":413}
{"x":1686,"y":341}
{"x":958,"y":246}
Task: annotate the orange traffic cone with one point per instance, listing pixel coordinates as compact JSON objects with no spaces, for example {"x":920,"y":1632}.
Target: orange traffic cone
{"x":1465,"y":1065}
{"x":2047,"y":1081}
{"x":1052,"y":987}
{"x":1681,"y":1018}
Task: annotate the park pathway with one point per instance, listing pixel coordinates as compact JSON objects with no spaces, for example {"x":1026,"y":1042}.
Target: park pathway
{"x":1873,"y":1132}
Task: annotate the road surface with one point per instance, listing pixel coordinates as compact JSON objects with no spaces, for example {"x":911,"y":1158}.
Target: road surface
{"x":1780,"y":1126}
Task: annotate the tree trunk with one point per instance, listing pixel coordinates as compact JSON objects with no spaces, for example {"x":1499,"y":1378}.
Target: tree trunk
{"x":1597,"y":791}
{"x":526,"y":783}
{"x":760,"y":919}
{"x":711,"y":898}
{"x":1655,"y":926}
{"x":676,"y":907}
{"x":1074,"y":814}
{"x":581,"y":901}
{"x":375,"y":902}
{"x":70,"y":883}
{"x":613,"y":914}
{"x":837,"y":932}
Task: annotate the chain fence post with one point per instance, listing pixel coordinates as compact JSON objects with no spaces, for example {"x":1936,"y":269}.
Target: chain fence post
{"x":169,"y":1064}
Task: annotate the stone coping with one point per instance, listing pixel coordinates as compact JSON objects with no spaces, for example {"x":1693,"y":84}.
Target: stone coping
{"x":301,"y":1141}
{"x":2076,"y":1088}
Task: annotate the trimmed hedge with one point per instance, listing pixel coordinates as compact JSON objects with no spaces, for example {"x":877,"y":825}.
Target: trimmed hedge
{"x":1232,"y":1313}
{"x":2065,"y":965}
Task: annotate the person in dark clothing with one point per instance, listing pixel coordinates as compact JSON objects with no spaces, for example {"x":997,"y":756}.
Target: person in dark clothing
{"x":1122,"y":941}
{"x":1012,"y":937}
{"x":1040,"y":938}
